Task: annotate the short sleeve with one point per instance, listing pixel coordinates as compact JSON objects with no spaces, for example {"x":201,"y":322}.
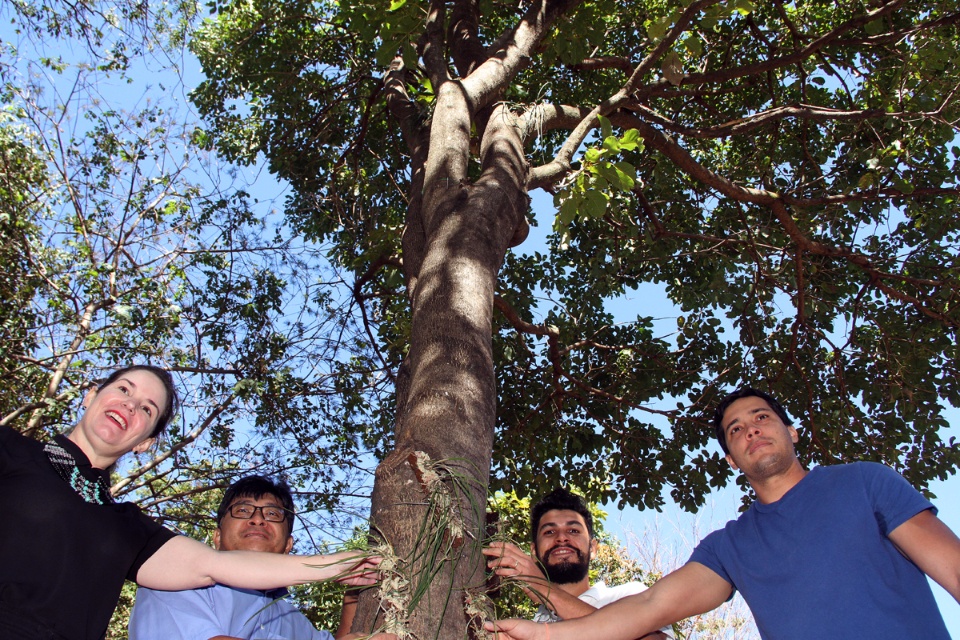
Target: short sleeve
{"x":706,"y":553}
{"x":894,"y":500}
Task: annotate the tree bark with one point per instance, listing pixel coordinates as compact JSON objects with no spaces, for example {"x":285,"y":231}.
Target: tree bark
{"x":446,"y":391}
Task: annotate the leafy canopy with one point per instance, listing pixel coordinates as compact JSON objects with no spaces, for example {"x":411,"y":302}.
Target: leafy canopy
{"x":784,"y":173}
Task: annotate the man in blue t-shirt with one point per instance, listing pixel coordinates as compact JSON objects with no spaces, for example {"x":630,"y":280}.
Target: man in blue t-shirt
{"x":836,"y":552}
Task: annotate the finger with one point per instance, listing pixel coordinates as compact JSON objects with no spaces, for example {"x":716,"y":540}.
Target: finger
{"x":495,"y":549}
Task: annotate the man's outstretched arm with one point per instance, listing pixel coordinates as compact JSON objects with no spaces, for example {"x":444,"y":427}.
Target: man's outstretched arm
{"x":688,"y":591}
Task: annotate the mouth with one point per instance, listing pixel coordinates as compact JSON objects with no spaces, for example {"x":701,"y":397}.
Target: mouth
{"x":564,"y":553}
{"x":118,"y":419}
{"x":255,"y":534}
{"x":757,"y":445}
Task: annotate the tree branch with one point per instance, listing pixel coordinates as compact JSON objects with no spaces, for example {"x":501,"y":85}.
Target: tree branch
{"x":179,"y":446}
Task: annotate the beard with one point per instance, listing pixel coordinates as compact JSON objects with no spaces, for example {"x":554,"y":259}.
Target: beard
{"x":567,"y":572}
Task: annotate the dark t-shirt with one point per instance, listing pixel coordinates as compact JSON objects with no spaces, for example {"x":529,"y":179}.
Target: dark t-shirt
{"x":819,"y":563}
{"x":63,"y":560}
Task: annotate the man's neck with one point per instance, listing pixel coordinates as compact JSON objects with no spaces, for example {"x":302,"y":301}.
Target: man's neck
{"x":775,"y":487}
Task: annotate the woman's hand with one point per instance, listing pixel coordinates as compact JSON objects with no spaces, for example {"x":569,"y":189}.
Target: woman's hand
{"x":360,"y":570}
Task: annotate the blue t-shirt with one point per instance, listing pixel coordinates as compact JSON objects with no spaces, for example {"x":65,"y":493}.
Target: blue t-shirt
{"x":200,"y":614}
{"x":818,"y":563}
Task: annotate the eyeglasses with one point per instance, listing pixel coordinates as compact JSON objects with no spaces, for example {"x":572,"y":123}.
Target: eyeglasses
{"x":270,"y":514}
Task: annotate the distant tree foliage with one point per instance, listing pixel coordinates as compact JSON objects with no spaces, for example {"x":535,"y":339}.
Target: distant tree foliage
{"x":123,"y":241}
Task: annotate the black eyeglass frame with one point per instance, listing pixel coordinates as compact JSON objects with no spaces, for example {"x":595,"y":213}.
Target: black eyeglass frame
{"x":284,"y":513}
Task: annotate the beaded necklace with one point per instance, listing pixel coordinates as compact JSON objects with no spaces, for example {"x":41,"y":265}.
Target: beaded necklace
{"x":94,"y":492}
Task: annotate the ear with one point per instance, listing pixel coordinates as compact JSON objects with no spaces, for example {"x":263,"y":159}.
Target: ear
{"x":289,"y":546}
{"x":593,"y":546}
{"x":734,"y":464}
{"x":794,"y":436}
{"x":216,"y":538}
{"x":88,"y":398}
{"x":143,"y":446}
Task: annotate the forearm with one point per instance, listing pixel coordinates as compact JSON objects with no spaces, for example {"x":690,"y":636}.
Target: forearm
{"x":257,"y":570}
{"x":690,"y":590}
{"x":620,"y":620}
{"x":183,"y":563}
{"x":626,"y":619}
{"x":565,"y":605}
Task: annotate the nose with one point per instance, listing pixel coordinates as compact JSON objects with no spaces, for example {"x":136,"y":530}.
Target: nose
{"x":257,"y":517}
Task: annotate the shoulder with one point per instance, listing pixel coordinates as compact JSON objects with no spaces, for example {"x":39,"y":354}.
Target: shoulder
{"x":10,"y":437}
{"x":17,"y":449}
{"x":872,"y":476}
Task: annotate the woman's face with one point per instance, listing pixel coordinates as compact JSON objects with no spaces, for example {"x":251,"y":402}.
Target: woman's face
{"x":120,"y":417}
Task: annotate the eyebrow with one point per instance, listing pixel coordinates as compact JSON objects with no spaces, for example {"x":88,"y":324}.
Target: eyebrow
{"x":134,"y":385}
{"x":557,"y":524}
{"x":252,"y":503}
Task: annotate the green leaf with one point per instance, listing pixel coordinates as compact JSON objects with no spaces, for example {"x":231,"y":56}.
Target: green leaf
{"x":123,"y":311}
{"x":595,"y":204}
{"x":693,"y":45}
{"x":901,"y":185}
{"x":568,"y":211}
{"x":875,"y":27}
{"x":631,"y":140}
{"x":592,"y":155}
{"x":612,"y":143}
{"x":606,"y":130}
{"x":628,"y":174}
{"x":385,"y":53}
{"x":657,"y":28}
{"x":672,"y":68}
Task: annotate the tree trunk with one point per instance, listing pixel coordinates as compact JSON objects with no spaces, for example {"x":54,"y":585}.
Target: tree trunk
{"x":430,"y":493}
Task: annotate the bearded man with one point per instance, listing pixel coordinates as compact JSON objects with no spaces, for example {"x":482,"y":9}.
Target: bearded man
{"x":557,"y":575}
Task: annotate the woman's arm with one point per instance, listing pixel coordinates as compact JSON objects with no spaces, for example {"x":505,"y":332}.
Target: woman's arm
{"x":184,"y":563}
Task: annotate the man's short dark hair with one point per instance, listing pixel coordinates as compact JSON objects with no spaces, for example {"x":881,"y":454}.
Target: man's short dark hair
{"x":744,"y":392}
{"x":256,"y":487}
{"x":559,"y":499}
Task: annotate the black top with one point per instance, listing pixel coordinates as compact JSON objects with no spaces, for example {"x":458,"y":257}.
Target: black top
{"x":63,"y":560}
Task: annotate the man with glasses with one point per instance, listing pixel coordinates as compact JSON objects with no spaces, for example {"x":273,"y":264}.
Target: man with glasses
{"x":256,"y":514}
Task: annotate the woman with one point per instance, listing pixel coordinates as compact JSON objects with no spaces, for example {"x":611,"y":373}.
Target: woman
{"x":66,"y":547}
